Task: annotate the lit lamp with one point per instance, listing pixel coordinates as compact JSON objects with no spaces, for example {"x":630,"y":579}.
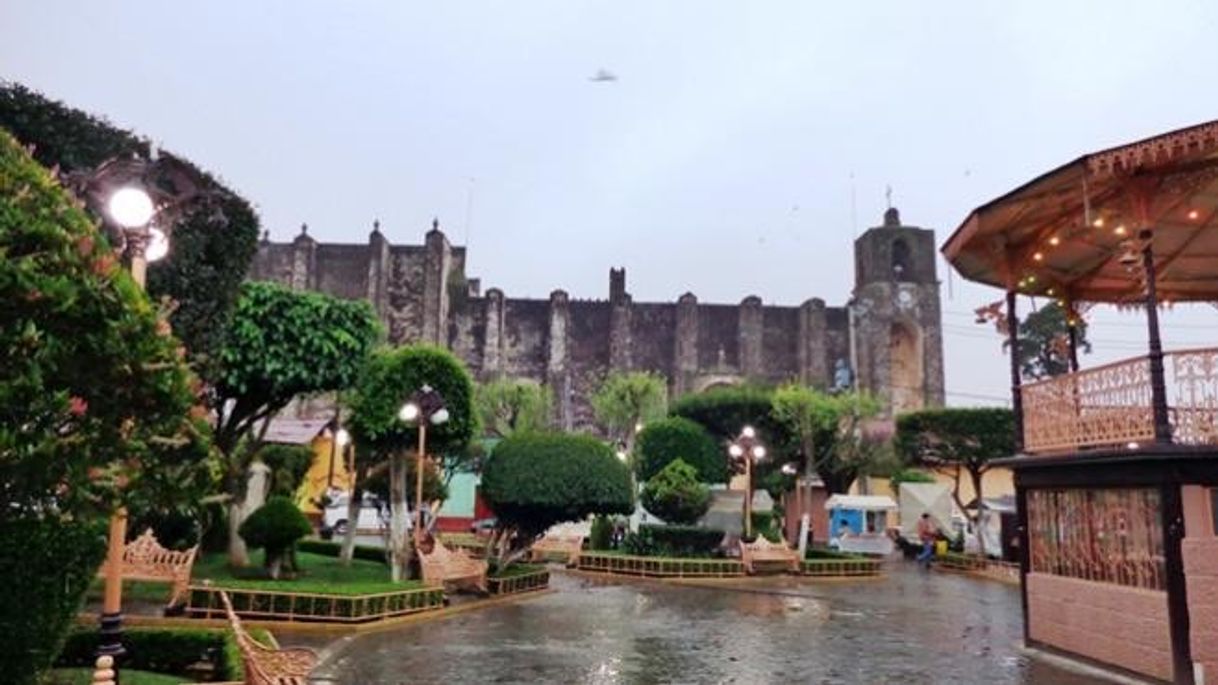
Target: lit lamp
{"x":424,"y":406}
{"x":748,"y":449}
{"x":130,"y":209}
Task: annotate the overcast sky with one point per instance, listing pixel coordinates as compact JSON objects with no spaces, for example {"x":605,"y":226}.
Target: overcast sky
{"x":739,"y":152}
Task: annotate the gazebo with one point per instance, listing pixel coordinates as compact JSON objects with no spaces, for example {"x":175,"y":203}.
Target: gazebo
{"x":1118,"y":464}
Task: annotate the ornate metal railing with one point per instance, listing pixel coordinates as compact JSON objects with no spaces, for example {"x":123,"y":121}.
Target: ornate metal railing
{"x":1111,"y":406}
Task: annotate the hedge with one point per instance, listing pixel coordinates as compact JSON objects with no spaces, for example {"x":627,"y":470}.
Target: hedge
{"x":662,"y":442}
{"x":673,"y":541}
{"x":165,"y":650}
{"x":46,"y":566}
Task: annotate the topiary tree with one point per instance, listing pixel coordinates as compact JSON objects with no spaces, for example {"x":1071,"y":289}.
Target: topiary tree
{"x":280,"y":344}
{"x":534,"y":481}
{"x":664,"y":441}
{"x":675,"y":494}
{"x":510,"y":405}
{"x":959,"y":442}
{"x":276,"y":527}
{"x":387,"y":381}
{"x":723,"y":411}
{"x":95,"y":407}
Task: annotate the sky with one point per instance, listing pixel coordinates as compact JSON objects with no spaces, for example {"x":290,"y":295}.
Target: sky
{"x":740,"y":151}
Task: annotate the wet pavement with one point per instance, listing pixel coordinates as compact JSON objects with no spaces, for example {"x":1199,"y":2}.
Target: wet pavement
{"x":912,"y":627}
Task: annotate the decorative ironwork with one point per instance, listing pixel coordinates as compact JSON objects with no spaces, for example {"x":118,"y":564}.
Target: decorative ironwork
{"x":1110,"y":406}
{"x":1155,"y":151}
{"x":1101,"y":535}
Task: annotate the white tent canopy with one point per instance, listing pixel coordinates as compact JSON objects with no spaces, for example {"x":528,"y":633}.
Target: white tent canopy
{"x":861,"y":502}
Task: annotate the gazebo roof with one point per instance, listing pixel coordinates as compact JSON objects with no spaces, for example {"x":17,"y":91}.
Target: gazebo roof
{"x":1071,"y":232}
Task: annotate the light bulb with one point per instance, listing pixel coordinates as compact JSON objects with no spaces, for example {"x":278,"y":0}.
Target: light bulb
{"x":158,"y":245}
{"x":409,"y":412}
{"x":439,"y":417}
{"x":748,"y":432}
{"x":130,"y":207}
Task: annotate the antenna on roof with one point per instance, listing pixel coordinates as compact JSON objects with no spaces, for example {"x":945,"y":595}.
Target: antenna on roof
{"x":854,"y":209}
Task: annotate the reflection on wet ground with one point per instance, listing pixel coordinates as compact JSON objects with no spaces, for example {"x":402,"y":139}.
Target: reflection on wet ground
{"x":912,"y":627}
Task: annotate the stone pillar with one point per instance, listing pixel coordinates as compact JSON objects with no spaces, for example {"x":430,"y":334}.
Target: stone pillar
{"x":620,"y":337}
{"x":436,"y":265}
{"x":685,"y":352}
{"x":558,"y":372}
{"x":304,"y":258}
{"x":751,"y":329}
{"x":813,"y":344}
{"x":378,"y":268}
{"x":492,"y":346}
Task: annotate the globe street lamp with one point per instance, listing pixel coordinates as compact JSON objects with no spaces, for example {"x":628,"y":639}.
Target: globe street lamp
{"x":747,"y":448}
{"x":131,"y":210}
{"x":425,"y":406}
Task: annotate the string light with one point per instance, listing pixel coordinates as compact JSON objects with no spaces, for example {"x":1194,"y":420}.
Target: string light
{"x":1039,"y":256}
{"x":1099,"y":222}
{"x":1055,"y":241}
{"x":1120,"y":230}
{"x":1193,"y":214}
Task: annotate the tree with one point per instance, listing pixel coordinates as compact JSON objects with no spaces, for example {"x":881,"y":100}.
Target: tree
{"x":626,"y":401}
{"x":664,"y":441}
{"x":958,"y":442}
{"x":723,"y":411}
{"x":1044,"y":347}
{"x":288,"y":464}
{"x":675,"y":494}
{"x":95,"y":400}
{"x":533,"y":481}
{"x":212,"y":245}
{"x":510,"y":405}
{"x":280,"y":344}
{"x":834,"y":436}
{"x":386,"y":383}
{"x":95,"y":408}
{"x":276,"y":527}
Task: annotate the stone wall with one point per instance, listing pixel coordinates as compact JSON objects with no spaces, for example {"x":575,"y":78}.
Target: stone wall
{"x":1123,"y":626}
{"x":422,"y":293}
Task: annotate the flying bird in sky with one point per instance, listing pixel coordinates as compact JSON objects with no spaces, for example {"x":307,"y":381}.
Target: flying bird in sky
{"x":603,"y":76}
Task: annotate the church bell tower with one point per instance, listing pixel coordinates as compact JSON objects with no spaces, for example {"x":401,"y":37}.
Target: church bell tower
{"x":896,"y":322}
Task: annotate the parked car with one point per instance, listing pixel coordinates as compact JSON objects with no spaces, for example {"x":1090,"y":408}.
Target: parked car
{"x":483,"y":527}
{"x":373,"y":515}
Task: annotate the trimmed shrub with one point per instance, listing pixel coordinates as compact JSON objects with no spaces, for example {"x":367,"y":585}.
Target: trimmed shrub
{"x":723,"y":411}
{"x":673,"y":541}
{"x":534,"y":481}
{"x":661,"y":442}
{"x":164,"y":650}
{"x":47,"y":565}
{"x":275,"y":527}
{"x":601,"y":536}
{"x":765,"y":524}
{"x":675,"y":495}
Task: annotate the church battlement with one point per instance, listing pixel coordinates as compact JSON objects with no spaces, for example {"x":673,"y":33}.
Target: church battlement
{"x":422,"y":294}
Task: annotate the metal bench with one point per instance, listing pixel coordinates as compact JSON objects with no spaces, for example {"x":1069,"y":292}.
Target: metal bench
{"x":762,"y":551}
{"x":269,"y":665}
{"x":443,"y":566}
{"x":567,"y":546}
{"x":144,"y":558}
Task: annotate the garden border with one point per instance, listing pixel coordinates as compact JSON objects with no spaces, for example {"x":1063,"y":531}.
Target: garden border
{"x":514,"y":585}
{"x":979,"y":567}
{"x":289,"y":607}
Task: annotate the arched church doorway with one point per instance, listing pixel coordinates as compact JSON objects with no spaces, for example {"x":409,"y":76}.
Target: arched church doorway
{"x":905,"y":359}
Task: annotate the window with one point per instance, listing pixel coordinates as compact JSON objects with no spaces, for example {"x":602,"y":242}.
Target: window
{"x":901,"y":261}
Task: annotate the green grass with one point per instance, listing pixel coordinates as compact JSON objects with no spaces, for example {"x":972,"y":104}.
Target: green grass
{"x":133,"y":590}
{"x":84,"y":676}
{"x":318,"y":574}
{"x":517,"y":570}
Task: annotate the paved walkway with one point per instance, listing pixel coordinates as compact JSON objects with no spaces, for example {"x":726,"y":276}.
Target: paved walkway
{"x":913,"y":627}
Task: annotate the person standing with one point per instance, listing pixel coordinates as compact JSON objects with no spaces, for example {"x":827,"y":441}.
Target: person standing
{"x":927,"y":534}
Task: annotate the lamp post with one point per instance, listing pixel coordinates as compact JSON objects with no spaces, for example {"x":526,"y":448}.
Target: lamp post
{"x":425,"y":406}
{"x":748,"y":448}
{"x":130,"y":210}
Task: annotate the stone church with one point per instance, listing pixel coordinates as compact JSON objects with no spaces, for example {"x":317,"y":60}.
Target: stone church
{"x":887,"y":339}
